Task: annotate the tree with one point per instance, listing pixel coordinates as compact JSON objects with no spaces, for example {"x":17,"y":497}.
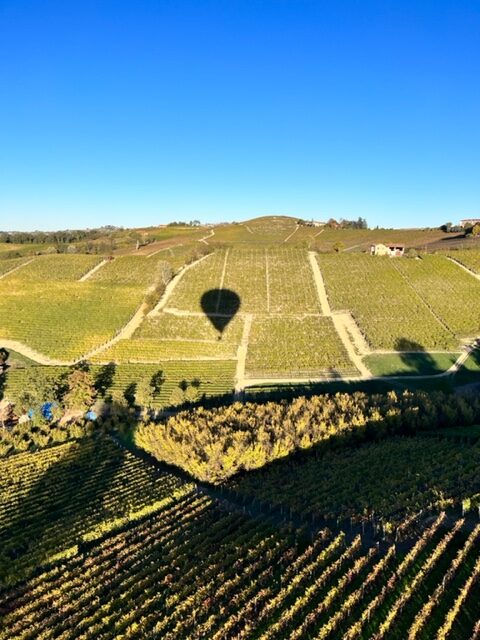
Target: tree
{"x":476,"y":230}
{"x":338,"y":246}
{"x":81,"y":391}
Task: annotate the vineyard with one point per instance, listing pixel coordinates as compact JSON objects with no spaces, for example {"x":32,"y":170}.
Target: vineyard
{"x":123,"y":549}
{"x":44,"y":306}
{"x":209,"y":378}
{"x":470,"y":258}
{"x":452,"y":294}
{"x":57,"y":498}
{"x":391,"y":312}
{"x":345,"y":484}
{"x":300,"y":347}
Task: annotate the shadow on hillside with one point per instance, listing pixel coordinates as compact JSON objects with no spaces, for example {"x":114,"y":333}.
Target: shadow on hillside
{"x":220,"y":306}
{"x":61,"y":504}
{"x":4,"y":355}
{"x":410,"y":359}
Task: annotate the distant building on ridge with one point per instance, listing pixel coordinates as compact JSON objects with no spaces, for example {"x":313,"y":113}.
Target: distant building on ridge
{"x":469,"y":222}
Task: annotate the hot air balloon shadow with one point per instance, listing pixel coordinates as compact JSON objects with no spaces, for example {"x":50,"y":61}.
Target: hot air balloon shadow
{"x":220,"y":307}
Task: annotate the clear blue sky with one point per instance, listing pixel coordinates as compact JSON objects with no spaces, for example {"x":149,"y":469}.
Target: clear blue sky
{"x":141,"y":112}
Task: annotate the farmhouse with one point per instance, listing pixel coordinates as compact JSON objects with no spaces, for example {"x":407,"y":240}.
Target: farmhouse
{"x":469,"y":222}
{"x":391,"y":250}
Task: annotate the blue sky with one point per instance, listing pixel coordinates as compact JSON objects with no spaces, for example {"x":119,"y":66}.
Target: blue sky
{"x":143,"y":112}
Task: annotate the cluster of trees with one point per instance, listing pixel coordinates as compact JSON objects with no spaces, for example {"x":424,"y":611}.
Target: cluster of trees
{"x":55,"y":407}
{"x":359,"y":223}
{"x":214,"y":444}
{"x":192,"y":223}
{"x":66,"y":236}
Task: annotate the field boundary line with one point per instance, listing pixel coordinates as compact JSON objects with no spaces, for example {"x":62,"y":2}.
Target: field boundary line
{"x":337,"y":319}
{"x":341,"y":329}
{"x":242,"y":356}
{"x":292,"y":234}
{"x":222,"y":281}
{"x":205,"y":238}
{"x":90,"y":273}
{"x":154,"y":253}
{"x":28,"y":352}
{"x":172,"y":284}
{"x":462,"y":266}
{"x":438,"y":318}
{"x":321,"y":231}
{"x":319,"y":284}
{"x":20,"y":266}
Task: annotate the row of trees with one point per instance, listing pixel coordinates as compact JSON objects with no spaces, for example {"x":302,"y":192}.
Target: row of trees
{"x":214,"y":444}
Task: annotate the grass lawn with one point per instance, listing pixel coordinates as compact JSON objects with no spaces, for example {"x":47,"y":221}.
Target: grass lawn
{"x":398,"y":364}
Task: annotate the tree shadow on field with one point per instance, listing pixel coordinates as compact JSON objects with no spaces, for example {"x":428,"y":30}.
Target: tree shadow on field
{"x":63,"y":502}
{"x":104,"y":378}
{"x":415,"y":356}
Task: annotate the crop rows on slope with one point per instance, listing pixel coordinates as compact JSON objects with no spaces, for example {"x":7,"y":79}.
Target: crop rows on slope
{"x":195,"y":571}
{"x":170,"y":337}
{"x":470,"y":258}
{"x":133,"y":271}
{"x":201,"y":278}
{"x":64,"y":320}
{"x":153,"y":351}
{"x":451,"y":292}
{"x":45,"y":307}
{"x":296,"y":346}
{"x":53,"y":499}
{"x":386,"y":308}
{"x":66,"y":268}
{"x":266,"y":280}
{"x":210,"y":377}
{"x":387,"y":480}
{"x":10,"y":264}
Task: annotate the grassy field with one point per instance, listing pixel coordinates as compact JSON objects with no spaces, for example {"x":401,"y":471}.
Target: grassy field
{"x":470,"y":258}
{"x":395,"y":364}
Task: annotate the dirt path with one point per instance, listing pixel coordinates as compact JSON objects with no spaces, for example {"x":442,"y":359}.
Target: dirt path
{"x":154,"y":253}
{"x":340,"y":325}
{"x":30,"y":353}
{"x":462,"y":266}
{"x":90,"y":273}
{"x":359,"y":341}
{"x":222,"y":281}
{"x":169,"y":289}
{"x":292,"y":234}
{"x":317,"y":234}
{"x":319,"y":283}
{"x":340,"y":322}
{"x":242,"y":357}
{"x":205,"y":238}
{"x":20,"y":266}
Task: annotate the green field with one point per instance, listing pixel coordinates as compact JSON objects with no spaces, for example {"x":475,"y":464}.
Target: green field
{"x":397,"y":364}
